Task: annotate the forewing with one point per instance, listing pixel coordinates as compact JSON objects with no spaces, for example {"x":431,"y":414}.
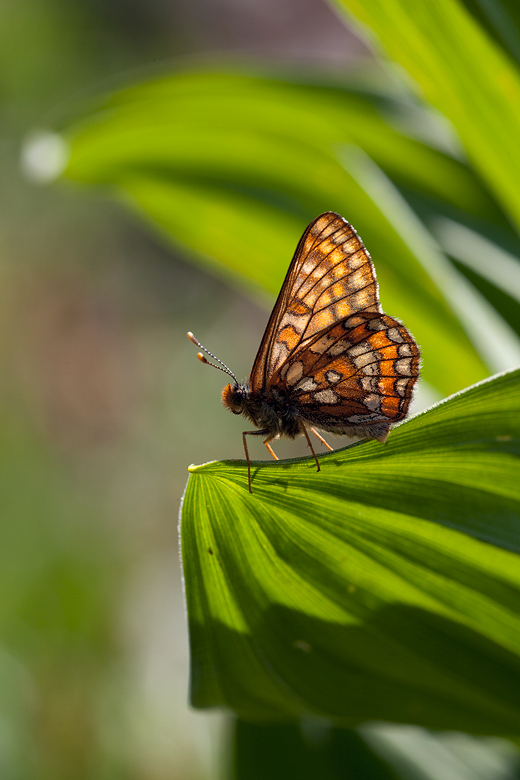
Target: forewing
{"x":357,"y":372}
{"x":330,"y":277}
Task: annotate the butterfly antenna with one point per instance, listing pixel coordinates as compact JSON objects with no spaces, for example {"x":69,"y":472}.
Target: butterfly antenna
{"x":202,"y":359}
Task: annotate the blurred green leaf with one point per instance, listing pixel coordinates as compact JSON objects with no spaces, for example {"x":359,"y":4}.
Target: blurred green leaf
{"x":501,"y":19}
{"x":233,"y":167}
{"x":382,"y":588}
{"x":314,"y":750}
{"x":460,"y":71}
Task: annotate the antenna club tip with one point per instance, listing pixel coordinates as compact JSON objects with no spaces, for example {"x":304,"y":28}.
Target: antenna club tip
{"x":191,"y":337}
{"x":202,"y":358}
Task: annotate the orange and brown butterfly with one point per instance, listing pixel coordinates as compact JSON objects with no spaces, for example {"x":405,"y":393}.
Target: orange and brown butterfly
{"x":330,"y":358}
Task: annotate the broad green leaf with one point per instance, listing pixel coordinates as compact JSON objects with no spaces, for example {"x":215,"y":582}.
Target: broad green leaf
{"x":385,"y":587}
{"x":463,"y":73}
{"x":233,"y":167}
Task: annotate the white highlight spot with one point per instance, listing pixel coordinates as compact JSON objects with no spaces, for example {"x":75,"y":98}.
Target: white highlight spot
{"x":44,"y":156}
{"x":301,"y":644}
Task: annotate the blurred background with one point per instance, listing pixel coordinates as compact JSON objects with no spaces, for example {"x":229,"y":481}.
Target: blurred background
{"x":103,"y":404}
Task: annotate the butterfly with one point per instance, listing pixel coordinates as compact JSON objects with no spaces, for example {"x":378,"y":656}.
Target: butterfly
{"x":330,"y":359}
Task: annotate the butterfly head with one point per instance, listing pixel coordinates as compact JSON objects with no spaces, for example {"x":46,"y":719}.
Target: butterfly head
{"x":235,"y":397}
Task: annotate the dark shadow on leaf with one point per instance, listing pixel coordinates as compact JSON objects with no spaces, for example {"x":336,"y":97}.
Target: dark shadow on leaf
{"x":403,"y":665}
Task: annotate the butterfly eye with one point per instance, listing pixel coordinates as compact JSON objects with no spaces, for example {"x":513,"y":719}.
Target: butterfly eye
{"x":232,"y":399}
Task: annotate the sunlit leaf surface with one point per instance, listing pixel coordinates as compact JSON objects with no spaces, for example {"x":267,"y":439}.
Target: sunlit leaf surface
{"x":385,"y":587}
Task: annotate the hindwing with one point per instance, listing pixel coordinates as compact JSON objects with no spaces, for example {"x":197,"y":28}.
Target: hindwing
{"x":359,"y":371}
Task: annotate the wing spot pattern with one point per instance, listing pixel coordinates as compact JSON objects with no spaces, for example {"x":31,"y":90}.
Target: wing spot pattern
{"x":401,"y":385}
{"x":339,"y":348}
{"x":394,"y":335}
{"x":376,"y":325}
{"x":333,"y":376}
{"x":306,"y":385}
{"x":322,"y":345}
{"x":373,"y":402}
{"x":403,"y":366}
{"x":294,"y":373}
{"x":326,"y":397}
{"x":369,"y":384}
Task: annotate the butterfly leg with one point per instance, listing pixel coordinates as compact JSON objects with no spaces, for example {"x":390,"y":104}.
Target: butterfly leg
{"x":273,"y":453}
{"x":315,"y":432}
{"x":250,"y":433}
{"x":304,"y":429}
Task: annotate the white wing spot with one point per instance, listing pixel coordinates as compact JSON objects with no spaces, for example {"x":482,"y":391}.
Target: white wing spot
{"x":376,"y":325}
{"x":326,"y":397}
{"x":403,"y":350}
{"x":333,"y":376}
{"x":354,"y":321}
{"x":394,"y":335}
{"x":294,"y":373}
{"x":362,"y":361}
{"x":373,"y":402}
{"x":339,"y":348}
{"x":306,"y":385}
{"x":359,"y":349}
{"x":400,"y":386}
{"x":403,"y":366}
{"x":357,"y":280}
{"x":369,"y":384}
{"x":321,"y":346}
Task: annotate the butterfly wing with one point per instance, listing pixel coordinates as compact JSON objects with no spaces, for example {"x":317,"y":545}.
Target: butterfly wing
{"x":330,"y":277}
{"x":356,"y":374}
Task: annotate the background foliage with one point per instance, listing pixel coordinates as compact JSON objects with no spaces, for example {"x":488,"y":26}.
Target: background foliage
{"x":228,"y":162}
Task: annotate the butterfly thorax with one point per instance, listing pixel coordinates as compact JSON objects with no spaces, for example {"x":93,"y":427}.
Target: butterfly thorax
{"x":270,"y":410}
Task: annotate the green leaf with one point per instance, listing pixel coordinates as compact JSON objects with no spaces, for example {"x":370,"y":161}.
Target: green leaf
{"x":460,"y":71}
{"x":384,"y":587}
{"x":233,"y":167}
